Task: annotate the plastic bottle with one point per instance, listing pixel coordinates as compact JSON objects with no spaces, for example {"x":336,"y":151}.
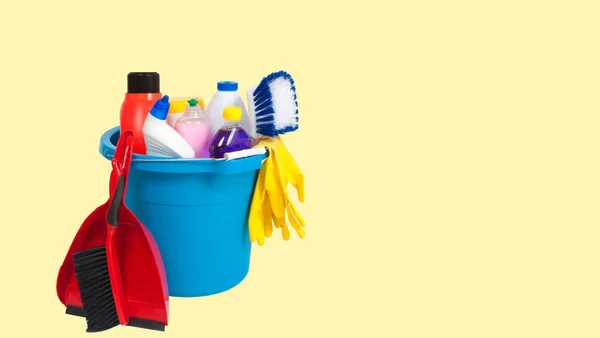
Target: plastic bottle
{"x":231,"y":136}
{"x":143,"y":90}
{"x":195,"y":129}
{"x":178,"y":108}
{"x":162,"y":140}
{"x":226,"y":95}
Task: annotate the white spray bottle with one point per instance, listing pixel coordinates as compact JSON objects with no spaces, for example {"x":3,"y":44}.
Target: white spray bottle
{"x":161,"y":139}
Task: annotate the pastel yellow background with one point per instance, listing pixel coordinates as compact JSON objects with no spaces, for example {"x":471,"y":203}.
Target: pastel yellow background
{"x":450,"y":150}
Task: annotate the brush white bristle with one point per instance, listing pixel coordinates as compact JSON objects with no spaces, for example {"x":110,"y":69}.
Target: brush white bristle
{"x":284,"y":103}
{"x":275,"y":107}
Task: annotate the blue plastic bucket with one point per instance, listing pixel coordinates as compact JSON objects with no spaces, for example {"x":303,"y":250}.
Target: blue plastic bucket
{"x":197,"y":210}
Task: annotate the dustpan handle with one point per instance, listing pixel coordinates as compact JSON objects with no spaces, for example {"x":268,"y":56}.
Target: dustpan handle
{"x":121,"y":163}
{"x":123,"y":151}
{"x":116,"y":201}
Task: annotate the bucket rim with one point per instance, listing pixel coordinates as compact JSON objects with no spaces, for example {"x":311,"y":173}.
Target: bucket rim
{"x":107,"y":149}
{"x":141,"y":162}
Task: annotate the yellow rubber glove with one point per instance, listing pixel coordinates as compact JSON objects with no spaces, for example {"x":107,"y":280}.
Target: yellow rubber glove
{"x":256,"y":218}
{"x":261,"y":218}
{"x":271,"y":202}
{"x":286,"y":171}
{"x":267,"y":214}
{"x":284,"y":175}
{"x":289,"y":168}
{"x":286,"y":164}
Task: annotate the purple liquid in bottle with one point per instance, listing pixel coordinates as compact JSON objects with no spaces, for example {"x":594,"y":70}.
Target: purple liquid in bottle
{"x":231,"y":137}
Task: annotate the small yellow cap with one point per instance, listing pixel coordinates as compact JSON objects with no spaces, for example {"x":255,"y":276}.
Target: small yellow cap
{"x":232,"y":113}
{"x":200,"y":102}
{"x":178,"y":105}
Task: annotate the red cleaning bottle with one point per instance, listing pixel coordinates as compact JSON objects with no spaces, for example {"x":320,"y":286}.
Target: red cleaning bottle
{"x":143,"y":90}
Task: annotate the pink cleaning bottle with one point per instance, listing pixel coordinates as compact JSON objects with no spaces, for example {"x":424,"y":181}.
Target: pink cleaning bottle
{"x":195,"y":128}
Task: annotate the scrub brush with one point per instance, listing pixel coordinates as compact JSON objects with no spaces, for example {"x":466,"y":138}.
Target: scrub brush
{"x":272,"y":106}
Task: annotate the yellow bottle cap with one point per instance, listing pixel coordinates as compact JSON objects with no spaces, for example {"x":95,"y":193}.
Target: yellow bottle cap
{"x":232,"y":113}
{"x":178,"y":104}
{"x":200,"y":102}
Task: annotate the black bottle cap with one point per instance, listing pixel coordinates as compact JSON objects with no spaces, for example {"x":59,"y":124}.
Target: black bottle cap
{"x":143,"y":82}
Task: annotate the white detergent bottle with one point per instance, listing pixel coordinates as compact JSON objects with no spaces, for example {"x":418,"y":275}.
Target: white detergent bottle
{"x":161,"y":139}
{"x":226,"y":95}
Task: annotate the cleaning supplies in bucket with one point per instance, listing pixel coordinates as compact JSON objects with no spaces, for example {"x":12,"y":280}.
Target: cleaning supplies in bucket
{"x":161,"y":139}
{"x":195,"y":129}
{"x":226,"y":95}
{"x":231,"y":136}
{"x":204,"y":213}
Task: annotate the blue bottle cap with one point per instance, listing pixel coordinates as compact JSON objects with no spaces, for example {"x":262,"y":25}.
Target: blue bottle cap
{"x":161,"y":108}
{"x":227,"y":86}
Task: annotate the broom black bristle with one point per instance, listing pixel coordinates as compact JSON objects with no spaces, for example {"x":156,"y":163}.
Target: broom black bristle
{"x":91,"y":270}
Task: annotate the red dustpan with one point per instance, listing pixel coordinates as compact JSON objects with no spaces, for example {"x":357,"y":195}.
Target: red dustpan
{"x":142,"y":296}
